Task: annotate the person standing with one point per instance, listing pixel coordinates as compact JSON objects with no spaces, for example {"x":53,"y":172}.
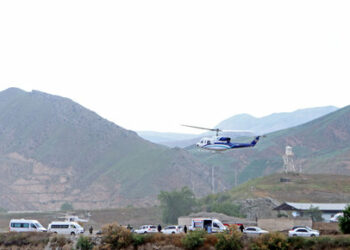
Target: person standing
{"x":241,"y":227}
{"x":159,"y":228}
{"x":185,"y":229}
{"x":91,"y":229}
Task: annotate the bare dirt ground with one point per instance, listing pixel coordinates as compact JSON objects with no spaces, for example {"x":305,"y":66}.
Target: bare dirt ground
{"x":124,"y":216}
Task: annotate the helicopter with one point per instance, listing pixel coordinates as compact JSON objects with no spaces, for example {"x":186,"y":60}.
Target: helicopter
{"x":222,"y":143}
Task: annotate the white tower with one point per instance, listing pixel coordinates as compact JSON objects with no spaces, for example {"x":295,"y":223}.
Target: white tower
{"x":288,"y":157}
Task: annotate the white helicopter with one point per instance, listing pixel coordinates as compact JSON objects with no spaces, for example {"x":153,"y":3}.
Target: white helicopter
{"x":219,"y":143}
{"x":73,"y":218}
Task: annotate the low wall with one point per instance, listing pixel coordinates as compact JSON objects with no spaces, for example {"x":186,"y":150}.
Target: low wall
{"x":327,"y":228}
{"x":282,"y":224}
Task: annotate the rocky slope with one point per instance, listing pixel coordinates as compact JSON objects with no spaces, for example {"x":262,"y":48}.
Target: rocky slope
{"x":52,"y":150}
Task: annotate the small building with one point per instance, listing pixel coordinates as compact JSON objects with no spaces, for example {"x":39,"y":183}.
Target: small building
{"x":300,"y":209}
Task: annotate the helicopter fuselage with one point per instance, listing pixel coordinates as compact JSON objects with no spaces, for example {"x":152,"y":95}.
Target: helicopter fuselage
{"x":219,"y":143}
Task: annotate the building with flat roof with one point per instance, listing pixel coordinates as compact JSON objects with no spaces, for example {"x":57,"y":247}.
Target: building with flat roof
{"x":299,"y":209}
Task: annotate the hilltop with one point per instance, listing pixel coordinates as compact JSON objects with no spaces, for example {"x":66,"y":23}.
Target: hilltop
{"x":53,"y":150}
{"x":301,"y":188}
{"x":276,"y":121}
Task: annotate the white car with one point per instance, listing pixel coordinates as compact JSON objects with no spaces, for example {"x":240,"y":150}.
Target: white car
{"x":254,"y":231}
{"x":146,"y":229}
{"x":172,"y":230}
{"x":303,"y":232}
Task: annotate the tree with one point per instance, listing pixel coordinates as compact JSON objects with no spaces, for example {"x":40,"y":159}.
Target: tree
{"x":344,"y":221}
{"x":176,"y":203}
{"x":66,"y":206}
{"x":226,"y":207}
{"x":315,"y":214}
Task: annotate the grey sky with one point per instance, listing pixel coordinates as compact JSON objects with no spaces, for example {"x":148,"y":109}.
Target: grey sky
{"x":152,"y":65}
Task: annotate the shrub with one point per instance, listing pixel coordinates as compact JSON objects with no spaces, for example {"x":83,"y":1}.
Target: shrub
{"x":116,"y":237}
{"x":296,"y":242}
{"x":176,"y":240}
{"x":272,"y":241}
{"x":59,"y":241}
{"x":138,"y":239}
{"x":322,"y":242}
{"x":194,"y":239}
{"x":227,"y":241}
{"x":84,"y":243}
{"x":210,"y":240}
{"x":344,"y":221}
{"x":22,"y":239}
{"x":342,"y":242}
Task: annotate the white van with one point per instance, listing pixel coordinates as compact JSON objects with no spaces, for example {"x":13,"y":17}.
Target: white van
{"x":210,"y":225}
{"x":65,"y":227}
{"x":23,"y":225}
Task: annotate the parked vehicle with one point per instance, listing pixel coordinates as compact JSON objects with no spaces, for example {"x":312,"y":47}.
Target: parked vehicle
{"x":254,"y":231}
{"x":65,"y":227}
{"x":146,"y":229}
{"x":208,"y":224}
{"x":303,"y":232}
{"x":295,"y":227}
{"x":172,"y":229}
{"x":23,"y":225}
{"x":335,"y":218}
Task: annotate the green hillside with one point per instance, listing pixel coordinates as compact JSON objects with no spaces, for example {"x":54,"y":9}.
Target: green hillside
{"x":259,"y":196}
{"x":53,"y":150}
{"x":300,"y":188}
{"x":320,"y":146}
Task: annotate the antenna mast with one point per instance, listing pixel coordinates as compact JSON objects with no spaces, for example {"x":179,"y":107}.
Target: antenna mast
{"x":288,"y":160}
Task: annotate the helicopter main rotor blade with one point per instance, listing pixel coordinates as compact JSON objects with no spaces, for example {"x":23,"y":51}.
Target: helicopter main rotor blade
{"x":237,"y":131}
{"x":210,"y":129}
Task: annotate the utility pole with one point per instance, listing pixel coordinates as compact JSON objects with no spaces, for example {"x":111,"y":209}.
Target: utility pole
{"x":191,"y":179}
{"x":236,"y":181}
{"x":212,"y":180}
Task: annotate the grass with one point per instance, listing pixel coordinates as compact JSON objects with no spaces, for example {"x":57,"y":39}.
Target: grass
{"x":308,"y":188}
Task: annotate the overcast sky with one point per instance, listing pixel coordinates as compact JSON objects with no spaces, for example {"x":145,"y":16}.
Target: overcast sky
{"x":152,"y":65}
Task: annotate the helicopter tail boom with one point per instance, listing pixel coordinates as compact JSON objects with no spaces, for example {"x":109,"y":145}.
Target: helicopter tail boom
{"x":253,"y":143}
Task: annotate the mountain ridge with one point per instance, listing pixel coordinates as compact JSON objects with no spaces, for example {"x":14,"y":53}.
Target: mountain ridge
{"x":246,"y":122}
{"x":53,"y":150}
